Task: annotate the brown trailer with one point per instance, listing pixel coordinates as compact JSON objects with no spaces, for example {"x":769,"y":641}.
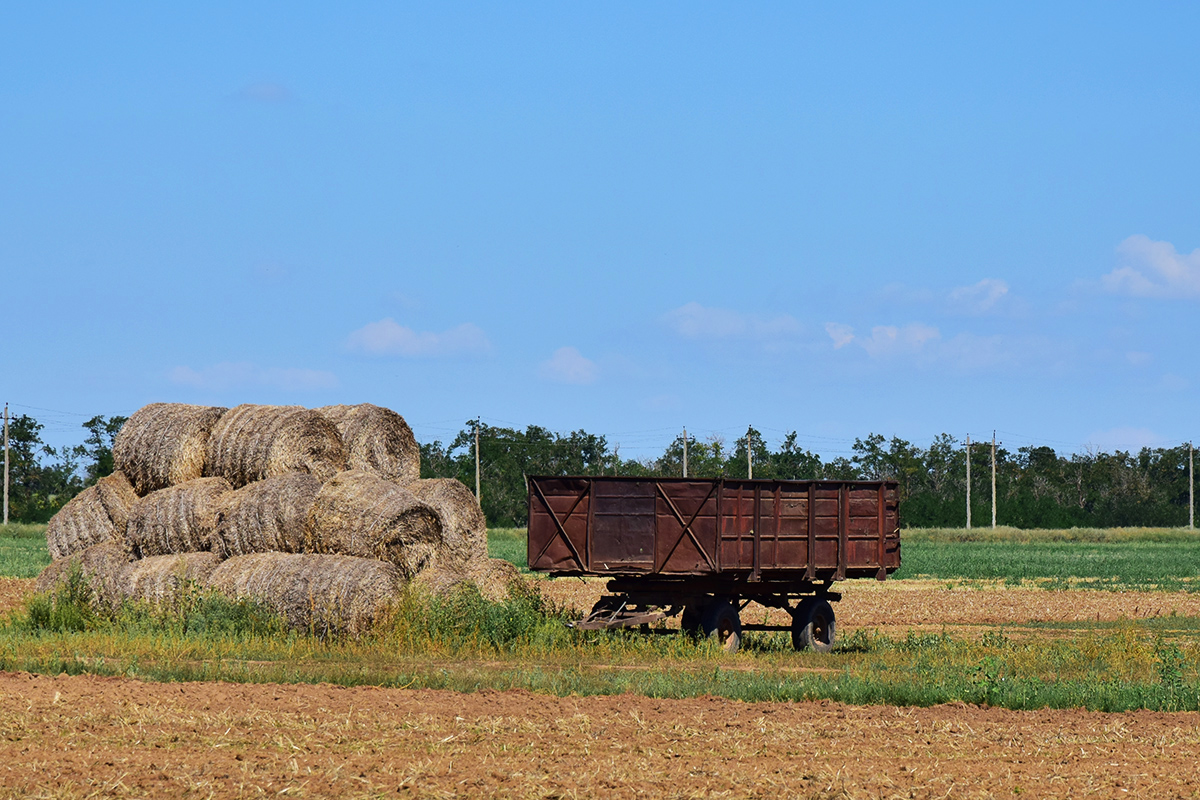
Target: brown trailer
{"x":708,"y":548}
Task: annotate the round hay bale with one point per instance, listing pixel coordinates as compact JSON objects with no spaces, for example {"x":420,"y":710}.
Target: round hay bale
{"x":178,"y":519}
{"x":160,"y":580}
{"x":268,"y":515}
{"x":250,"y":443}
{"x":321,"y":593}
{"x":164,"y":444}
{"x":495,"y":578}
{"x":98,"y":513}
{"x":358,"y":514}
{"x":464,"y":528}
{"x":102,"y":564}
{"x":377,"y":440}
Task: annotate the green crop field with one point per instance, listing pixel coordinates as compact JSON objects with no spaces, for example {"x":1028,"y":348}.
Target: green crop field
{"x":23,"y":551}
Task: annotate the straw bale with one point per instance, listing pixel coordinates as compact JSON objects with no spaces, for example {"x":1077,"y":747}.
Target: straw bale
{"x":98,"y":513}
{"x":322,"y":593}
{"x":464,"y":528}
{"x":251,"y":442}
{"x":495,"y":578}
{"x":162,"y":579}
{"x":358,"y":514}
{"x":164,"y":444}
{"x":102,"y":564}
{"x":178,"y":519}
{"x":377,"y":440}
{"x":268,"y":515}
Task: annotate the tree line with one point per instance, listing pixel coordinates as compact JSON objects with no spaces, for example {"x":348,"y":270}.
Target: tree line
{"x":1035,"y":486}
{"x":43,"y":478}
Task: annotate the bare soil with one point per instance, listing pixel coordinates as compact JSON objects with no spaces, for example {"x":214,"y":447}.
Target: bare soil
{"x":113,"y":737}
{"x":85,"y":736}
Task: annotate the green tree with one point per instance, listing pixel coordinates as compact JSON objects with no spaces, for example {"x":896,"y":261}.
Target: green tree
{"x":102,"y":432}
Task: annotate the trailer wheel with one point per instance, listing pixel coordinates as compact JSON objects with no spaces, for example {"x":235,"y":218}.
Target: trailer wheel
{"x":814,"y":626}
{"x":719,"y":619}
{"x":689,"y":623}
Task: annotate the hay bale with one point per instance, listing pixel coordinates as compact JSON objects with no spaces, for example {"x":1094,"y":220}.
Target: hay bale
{"x":250,"y":443}
{"x":178,"y":519}
{"x":98,"y":513}
{"x":321,"y":593}
{"x":377,"y":440}
{"x":268,"y":515}
{"x":102,"y":564}
{"x":160,"y":580}
{"x":494,"y":578}
{"x":464,"y":528}
{"x":358,"y":514}
{"x":164,"y":444}
{"x":497,"y":579}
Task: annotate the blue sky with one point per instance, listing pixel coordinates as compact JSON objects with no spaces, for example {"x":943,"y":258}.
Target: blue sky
{"x":627,"y":218}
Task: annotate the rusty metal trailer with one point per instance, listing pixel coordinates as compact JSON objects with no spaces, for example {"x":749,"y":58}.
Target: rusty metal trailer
{"x":707,"y":548}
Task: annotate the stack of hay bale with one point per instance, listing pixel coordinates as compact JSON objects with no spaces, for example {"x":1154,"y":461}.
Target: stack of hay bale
{"x":320,"y":514}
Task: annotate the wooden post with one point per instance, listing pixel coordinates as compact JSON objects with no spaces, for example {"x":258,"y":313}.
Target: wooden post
{"x":6,"y":463}
{"x":968,"y":481}
{"x":478,"y":496}
{"x":685,"y":452}
{"x":993,"y":479}
{"x":749,"y":454}
{"x":1191,"y":486}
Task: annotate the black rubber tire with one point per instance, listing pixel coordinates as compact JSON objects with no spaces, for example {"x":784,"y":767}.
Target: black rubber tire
{"x":719,"y":619}
{"x":814,"y":626}
{"x":689,"y":622}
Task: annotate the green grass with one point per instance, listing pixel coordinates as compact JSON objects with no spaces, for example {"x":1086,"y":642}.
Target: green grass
{"x":509,"y":544}
{"x":465,"y":643}
{"x":23,"y":551}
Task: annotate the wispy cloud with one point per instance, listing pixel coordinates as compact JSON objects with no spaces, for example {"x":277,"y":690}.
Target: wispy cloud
{"x":978,"y":298}
{"x":243,"y":374}
{"x":885,"y":340}
{"x":1154,"y":269}
{"x":267,"y":92}
{"x":568,"y":365}
{"x":389,"y":338}
{"x":694,"y":321}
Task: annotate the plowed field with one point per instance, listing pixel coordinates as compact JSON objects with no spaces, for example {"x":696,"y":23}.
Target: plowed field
{"x":113,"y":737}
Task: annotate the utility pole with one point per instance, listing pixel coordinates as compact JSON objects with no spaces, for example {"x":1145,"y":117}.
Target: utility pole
{"x":968,"y":481}
{"x":1191,"y":486}
{"x":478,"y":496}
{"x":993,"y":479}
{"x":6,"y":463}
{"x":685,"y":452}
{"x":750,"y":453}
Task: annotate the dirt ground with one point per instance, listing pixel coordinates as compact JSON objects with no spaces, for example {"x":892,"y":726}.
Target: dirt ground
{"x":76,"y":737}
{"x":115,"y":737}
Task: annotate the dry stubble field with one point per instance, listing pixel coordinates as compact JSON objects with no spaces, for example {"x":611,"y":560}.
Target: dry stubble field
{"x":87,"y":736}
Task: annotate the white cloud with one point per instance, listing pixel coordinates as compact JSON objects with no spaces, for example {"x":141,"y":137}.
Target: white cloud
{"x":389,"y":338}
{"x":243,"y":374}
{"x":1154,"y":269}
{"x":842,"y":335}
{"x":568,"y":365}
{"x":694,"y":321}
{"x":978,"y":298}
{"x":887,"y":340}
